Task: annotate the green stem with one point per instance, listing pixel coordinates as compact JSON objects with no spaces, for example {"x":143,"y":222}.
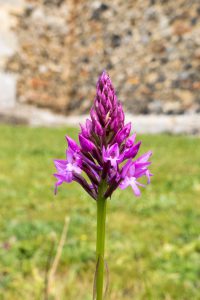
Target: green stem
{"x":100,"y":245}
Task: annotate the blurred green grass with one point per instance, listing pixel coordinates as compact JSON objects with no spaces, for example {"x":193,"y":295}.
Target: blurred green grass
{"x":153,"y":243}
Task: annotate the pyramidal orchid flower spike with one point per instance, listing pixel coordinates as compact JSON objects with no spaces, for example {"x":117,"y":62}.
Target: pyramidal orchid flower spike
{"x":107,"y":156}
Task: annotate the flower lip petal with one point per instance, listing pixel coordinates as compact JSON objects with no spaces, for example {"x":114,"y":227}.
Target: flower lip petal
{"x":148,"y":174}
{"x":133,"y":183}
{"x":136,"y":190}
{"x":124,"y":184}
{"x":61,"y":179}
{"x":112,"y":154}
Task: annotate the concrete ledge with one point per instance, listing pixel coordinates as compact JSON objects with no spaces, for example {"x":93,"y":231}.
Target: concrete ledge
{"x":33,"y":116}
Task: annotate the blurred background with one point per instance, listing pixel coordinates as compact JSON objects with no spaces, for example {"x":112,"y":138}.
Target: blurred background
{"x":150,"y":48}
{"x":51,"y":54}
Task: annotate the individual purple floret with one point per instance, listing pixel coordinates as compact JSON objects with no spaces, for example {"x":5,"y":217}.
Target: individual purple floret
{"x":107,"y":151}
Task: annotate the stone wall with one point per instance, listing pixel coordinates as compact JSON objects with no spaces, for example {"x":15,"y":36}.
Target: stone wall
{"x":150,"y":48}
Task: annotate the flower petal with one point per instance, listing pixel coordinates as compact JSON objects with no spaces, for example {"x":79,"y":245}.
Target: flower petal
{"x":130,"y":141}
{"x":135,"y":188}
{"x":114,"y":150}
{"x":124,"y":184}
{"x":60,"y":164}
{"x":86,"y":144}
{"x":72,"y":144}
{"x":61,"y":179}
{"x":126,"y":168}
{"x":144,"y":158}
{"x":123,"y":133}
{"x":132,"y":151}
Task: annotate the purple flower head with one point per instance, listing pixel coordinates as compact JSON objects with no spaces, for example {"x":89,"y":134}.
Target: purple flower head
{"x":107,"y":151}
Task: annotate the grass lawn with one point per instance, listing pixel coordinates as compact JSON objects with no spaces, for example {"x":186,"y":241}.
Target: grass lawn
{"x":152,"y":243}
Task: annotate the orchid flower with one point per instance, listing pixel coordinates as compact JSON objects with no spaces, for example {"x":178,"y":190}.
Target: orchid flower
{"x":106,"y":155}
